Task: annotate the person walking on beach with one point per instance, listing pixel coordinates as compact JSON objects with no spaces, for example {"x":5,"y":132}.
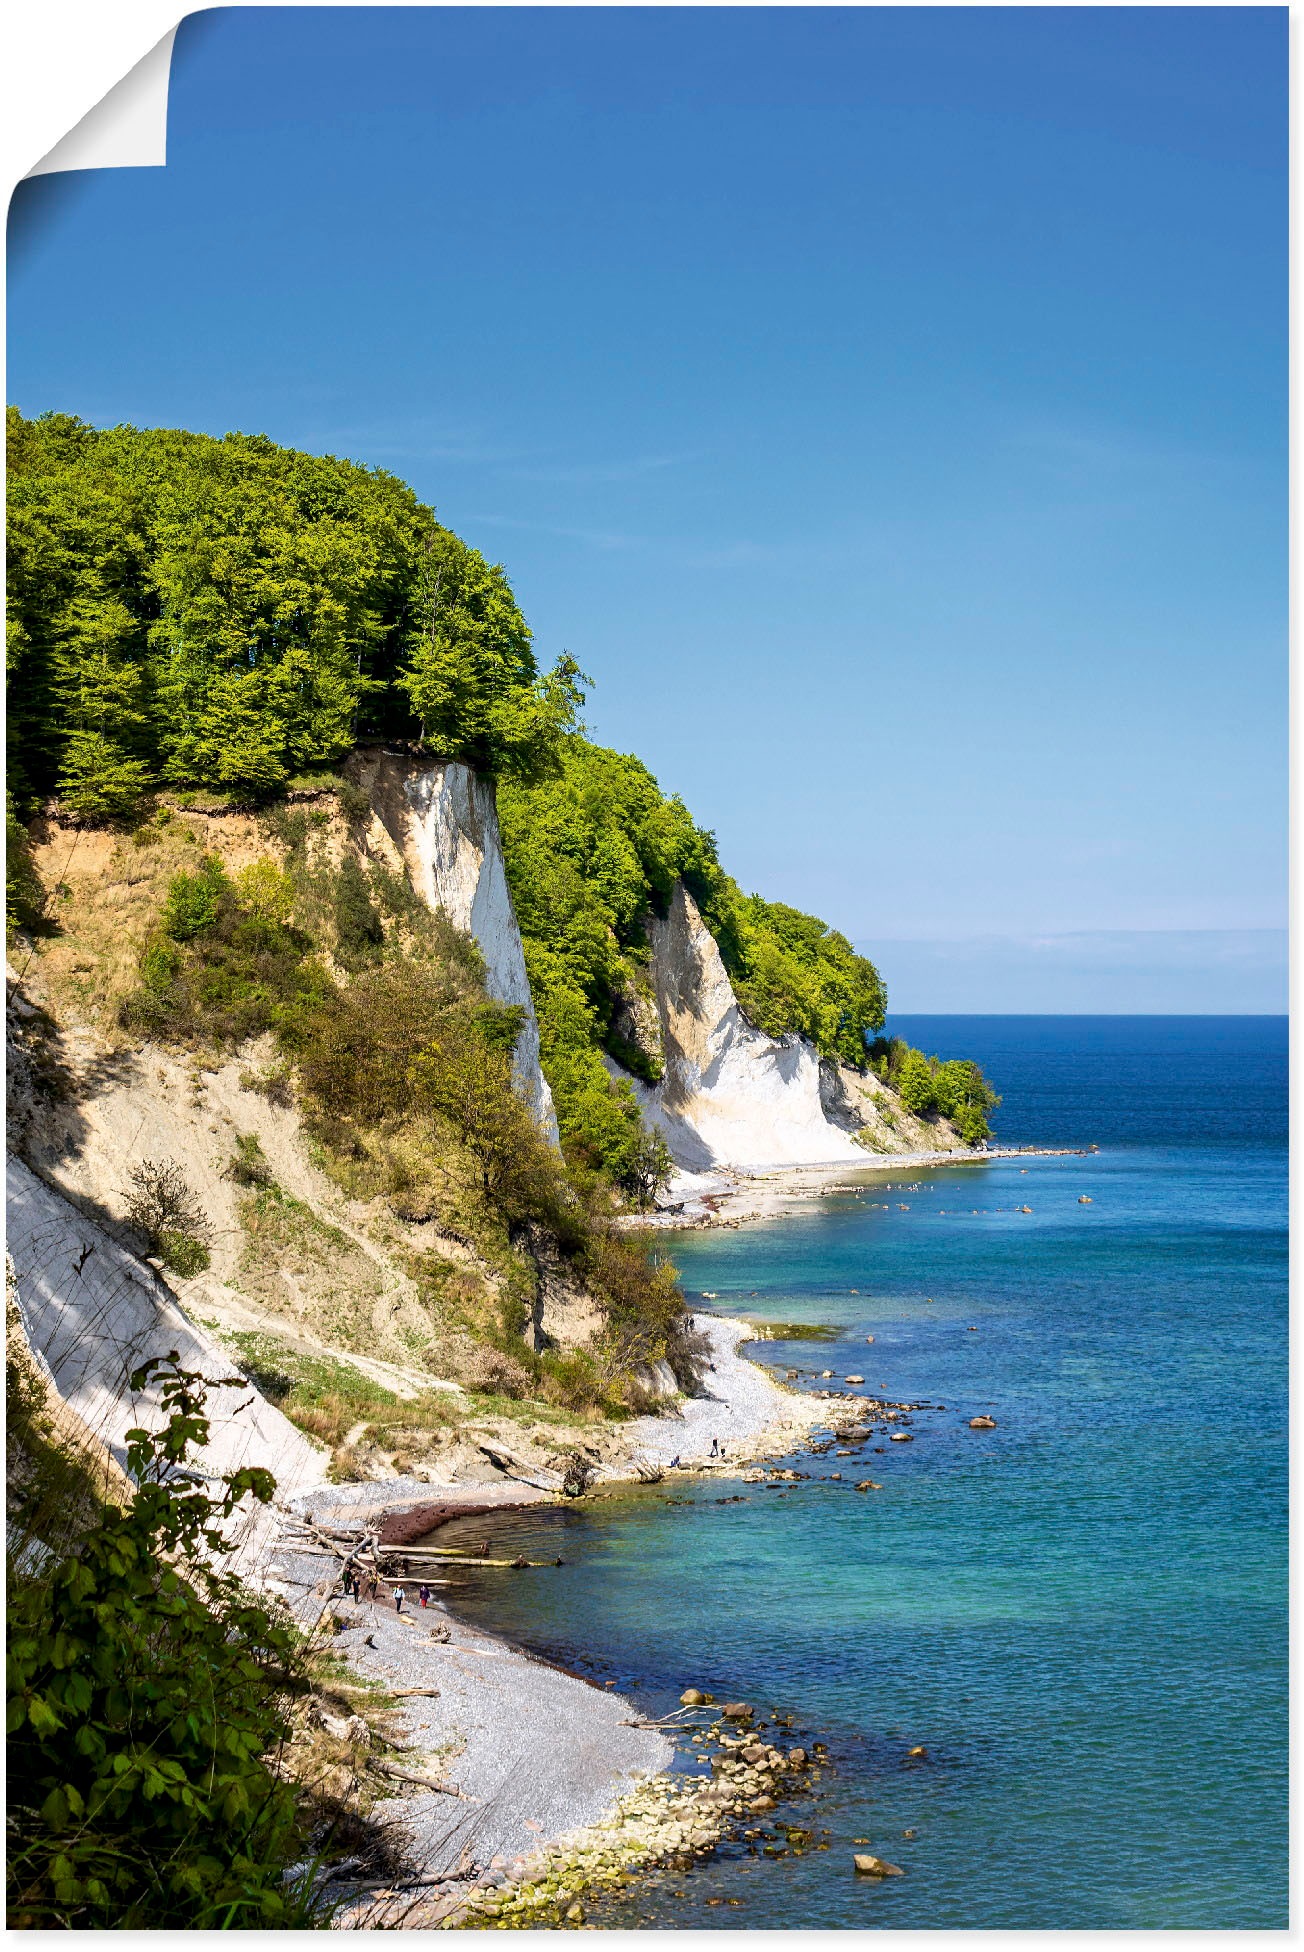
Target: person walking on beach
{"x":423,"y":1594}
{"x":715,"y":1446}
{"x":399,"y":1597}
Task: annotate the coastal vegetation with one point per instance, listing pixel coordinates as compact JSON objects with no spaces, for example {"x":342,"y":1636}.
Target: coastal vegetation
{"x":233,"y":615}
{"x":953,"y":1088}
{"x":229,"y":618}
{"x":145,"y":1717}
{"x":401,"y":1066}
{"x":593,"y":852}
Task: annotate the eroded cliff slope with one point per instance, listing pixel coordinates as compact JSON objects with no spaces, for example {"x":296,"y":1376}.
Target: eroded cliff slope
{"x":731,"y":1097}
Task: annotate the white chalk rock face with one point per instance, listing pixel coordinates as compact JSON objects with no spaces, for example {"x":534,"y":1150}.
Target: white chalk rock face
{"x":92,"y":1312}
{"x":441,"y":816}
{"x":731,"y":1096}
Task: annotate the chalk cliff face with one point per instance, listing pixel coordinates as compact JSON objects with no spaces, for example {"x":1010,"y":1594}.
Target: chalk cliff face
{"x":92,"y":1312}
{"x":441,"y":818}
{"x":731,"y":1096}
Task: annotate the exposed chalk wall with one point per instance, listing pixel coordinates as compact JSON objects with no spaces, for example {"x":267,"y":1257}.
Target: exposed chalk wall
{"x":731,"y":1096}
{"x":92,"y":1312}
{"x":441,"y":817}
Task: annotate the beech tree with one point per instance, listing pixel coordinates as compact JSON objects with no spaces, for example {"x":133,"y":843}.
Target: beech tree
{"x":230,"y":614}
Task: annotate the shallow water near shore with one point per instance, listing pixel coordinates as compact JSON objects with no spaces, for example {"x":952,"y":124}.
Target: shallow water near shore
{"x":1080,"y":1614}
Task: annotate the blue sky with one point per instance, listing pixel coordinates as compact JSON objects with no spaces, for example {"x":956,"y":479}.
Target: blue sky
{"x":886,"y":406}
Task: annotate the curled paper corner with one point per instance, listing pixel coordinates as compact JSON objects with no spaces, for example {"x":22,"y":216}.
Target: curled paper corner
{"x":128,"y":129}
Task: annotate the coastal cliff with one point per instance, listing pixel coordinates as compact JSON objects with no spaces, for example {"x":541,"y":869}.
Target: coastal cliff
{"x":729,"y":1096}
{"x":441,"y":824}
{"x":732,"y":1098}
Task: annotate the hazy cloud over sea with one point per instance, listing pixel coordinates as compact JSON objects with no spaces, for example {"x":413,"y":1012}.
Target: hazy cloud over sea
{"x":1167,"y":971}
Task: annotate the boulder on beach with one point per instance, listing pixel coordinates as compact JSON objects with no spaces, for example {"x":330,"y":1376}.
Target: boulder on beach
{"x":875,"y":1866}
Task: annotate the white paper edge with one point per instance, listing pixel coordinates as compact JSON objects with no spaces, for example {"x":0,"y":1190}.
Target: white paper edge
{"x":128,"y":129}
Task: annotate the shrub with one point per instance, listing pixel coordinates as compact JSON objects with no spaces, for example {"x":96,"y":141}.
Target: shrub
{"x":495,"y":1373}
{"x":359,"y":931}
{"x":265,"y":891}
{"x":226,"y":966}
{"x":248,"y":1165}
{"x":193,"y":900}
{"x":24,"y":892}
{"x":145,"y":1692}
{"x":162,"y":1207}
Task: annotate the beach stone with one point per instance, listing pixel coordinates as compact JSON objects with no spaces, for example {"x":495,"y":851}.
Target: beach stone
{"x":875,"y":1866}
{"x":760,"y":1804}
{"x":692,"y":1698}
{"x":982,"y":1423}
{"x":737,"y":1711}
{"x":901,"y":1437}
{"x":797,"y":1757}
{"x":853,"y":1379}
{"x":754,"y":1752}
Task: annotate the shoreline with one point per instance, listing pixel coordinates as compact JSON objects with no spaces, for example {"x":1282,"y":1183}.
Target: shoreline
{"x":550,"y":1776}
{"x":731,"y":1196}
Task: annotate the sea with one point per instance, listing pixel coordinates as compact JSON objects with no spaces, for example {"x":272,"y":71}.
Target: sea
{"x":1078,"y":1616}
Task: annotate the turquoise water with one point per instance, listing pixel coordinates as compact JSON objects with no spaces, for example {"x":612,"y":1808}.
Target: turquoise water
{"x":1080,"y":1614}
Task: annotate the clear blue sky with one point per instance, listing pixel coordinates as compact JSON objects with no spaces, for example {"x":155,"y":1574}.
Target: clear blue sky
{"x":887,"y":406}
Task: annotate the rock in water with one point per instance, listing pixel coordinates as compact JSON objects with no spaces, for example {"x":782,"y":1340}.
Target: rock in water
{"x":875,"y":1866}
{"x":853,"y":1379}
{"x":982,"y":1423}
{"x":902,"y":1437}
{"x":737,"y":1711}
{"x":692,"y":1697}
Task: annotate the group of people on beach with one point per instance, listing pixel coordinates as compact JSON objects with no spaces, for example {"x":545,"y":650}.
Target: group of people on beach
{"x":423,"y":1594}
{"x":717,"y":1450}
{"x":360,"y":1586}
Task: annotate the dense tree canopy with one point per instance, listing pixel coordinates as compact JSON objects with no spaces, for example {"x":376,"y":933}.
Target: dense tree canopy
{"x":230,"y":614}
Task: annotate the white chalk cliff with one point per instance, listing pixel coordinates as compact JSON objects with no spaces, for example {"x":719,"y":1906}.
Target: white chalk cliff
{"x":441,"y":817}
{"x":730,"y":1096}
{"x":92,"y":1312}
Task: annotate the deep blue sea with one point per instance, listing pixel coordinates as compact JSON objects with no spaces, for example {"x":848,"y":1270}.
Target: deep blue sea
{"x":1081,"y":1615}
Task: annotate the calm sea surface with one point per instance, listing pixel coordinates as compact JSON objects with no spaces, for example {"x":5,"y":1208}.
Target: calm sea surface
{"x":1080,"y":1614}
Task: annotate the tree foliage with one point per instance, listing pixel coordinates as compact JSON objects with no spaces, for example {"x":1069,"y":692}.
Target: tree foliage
{"x":954,"y":1088}
{"x":145,"y":1694}
{"x":229,"y":614}
{"x":593,"y":853}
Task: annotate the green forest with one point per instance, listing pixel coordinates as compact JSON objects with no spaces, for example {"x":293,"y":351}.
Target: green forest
{"x":185,"y":612}
{"x":234,"y":616}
